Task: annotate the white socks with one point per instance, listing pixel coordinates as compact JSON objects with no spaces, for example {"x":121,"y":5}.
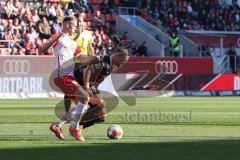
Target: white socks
{"x":74,"y":114}
{"x":80,"y":110}
{"x":67,"y":118}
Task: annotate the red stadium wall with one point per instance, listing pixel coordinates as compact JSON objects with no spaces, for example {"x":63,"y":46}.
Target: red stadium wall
{"x":169,"y":65}
{"x":44,"y":65}
{"x":30,"y":74}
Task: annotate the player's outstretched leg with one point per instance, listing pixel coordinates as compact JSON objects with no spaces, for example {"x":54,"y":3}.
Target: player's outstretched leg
{"x":95,"y":119}
{"x":95,"y":114}
{"x":56,"y":126}
{"x":82,"y":99}
{"x":70,"y":87}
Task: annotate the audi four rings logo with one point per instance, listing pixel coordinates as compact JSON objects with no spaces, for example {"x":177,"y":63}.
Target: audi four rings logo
{"x":167,"y":67}
{"x":16,"y":67}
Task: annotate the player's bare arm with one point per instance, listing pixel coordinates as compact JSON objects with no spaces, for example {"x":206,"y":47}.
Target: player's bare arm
{"x":86,"y":78}
{"x":49,"y":44}
{"x":84,"y":59}
{"x":87,"y":74}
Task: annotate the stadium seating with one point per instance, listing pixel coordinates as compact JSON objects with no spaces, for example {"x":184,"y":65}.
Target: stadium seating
{"x":156,"y":10}
{"x":187,"y":15}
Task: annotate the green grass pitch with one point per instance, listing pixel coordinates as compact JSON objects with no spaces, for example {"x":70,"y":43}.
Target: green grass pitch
{"x":155,"y":128}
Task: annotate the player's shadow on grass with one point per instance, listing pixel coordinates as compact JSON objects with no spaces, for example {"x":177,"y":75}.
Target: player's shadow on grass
{"x":199,"y":150}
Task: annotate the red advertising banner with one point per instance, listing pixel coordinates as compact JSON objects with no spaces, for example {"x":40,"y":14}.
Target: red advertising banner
{"x":227,"y":82}
{"x":26,"y":65}
{"x":186,"y":82}
{"x":23,"y":65}
{"x":168,"y":65}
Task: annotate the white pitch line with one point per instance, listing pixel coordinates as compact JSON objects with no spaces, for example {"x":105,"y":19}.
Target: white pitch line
{"x":180,"y":75}
{"x":145,"y":86}
{"x":211,"y":82}
{"x":144,"y":76}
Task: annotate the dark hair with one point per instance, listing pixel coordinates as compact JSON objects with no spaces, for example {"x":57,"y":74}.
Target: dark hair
{"x":120,"y":49}
{"x":69,"y":18}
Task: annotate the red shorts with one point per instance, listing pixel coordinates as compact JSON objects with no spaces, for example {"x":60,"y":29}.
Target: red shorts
{"x":68,"y":85}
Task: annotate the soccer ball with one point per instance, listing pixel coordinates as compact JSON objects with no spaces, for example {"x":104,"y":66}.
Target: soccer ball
{"x":114,"y":132}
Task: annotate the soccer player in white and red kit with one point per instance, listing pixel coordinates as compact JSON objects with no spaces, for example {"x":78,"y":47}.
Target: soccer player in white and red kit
{"x":65,"y":49}
{"x":90,"y":77}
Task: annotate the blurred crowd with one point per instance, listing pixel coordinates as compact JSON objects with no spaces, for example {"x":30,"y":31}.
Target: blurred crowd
{"x":217,"y":15}
{"x":31,"y":25}
{"x":178,"y":15}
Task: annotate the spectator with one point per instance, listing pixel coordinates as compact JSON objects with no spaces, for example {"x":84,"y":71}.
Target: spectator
{"x":23,"y":34}
{"x":155,"y":14}
{"x":18,"y":5}
{"x":30,"y":47}
{"x":124,"y":36}
{"x":70,"y":12}
{"x":134,"y":48}
{"x":44,"y":29}
{"x":102,"y":51}
{"x":42,"y":10}
{"x":205,"y":50}
{"x":8,"y":36}
{"x":232,"y":58}
{"x":16,"y":36}
{"x":106,"y":7}
{"x":98,"y":42}
{"x":56,"y":26}
{"x":32,"y":35}
{"x":10,"y":24}
{"x":144,"y":13}
{"x":52,"y":12}
{"x":79,"y":6}
{"x":104,"y":36}
{"x":16,"y":25}
{"x":158,"y":38}
{"x":15,"y":51}
{"x":109,"y":46}
{"x":98,"y":20}
{"x":2,"y":29}
{"x":189,"y":8}
{"x":142,"y":49}
{"x":174,"y":45}
{"x":60,"y":13}
{"x":28,"y":16}
{"x":65,"y":8}
{"x":10,"y":9}
{"x":35,"y":17}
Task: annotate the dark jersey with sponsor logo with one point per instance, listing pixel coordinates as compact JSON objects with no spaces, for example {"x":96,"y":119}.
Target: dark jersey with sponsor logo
{"x":101,"y":71}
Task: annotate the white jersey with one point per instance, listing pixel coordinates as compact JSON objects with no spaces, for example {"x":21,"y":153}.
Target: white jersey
{"x":64,"y":51}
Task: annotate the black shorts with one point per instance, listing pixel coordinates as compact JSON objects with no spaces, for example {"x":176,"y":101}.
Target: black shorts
{"x":78,"y":74}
